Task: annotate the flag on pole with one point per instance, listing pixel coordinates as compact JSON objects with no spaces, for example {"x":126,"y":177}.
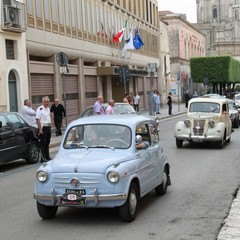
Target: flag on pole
{"x":137,"y":41}
{"x":117,"y":38}
{"x":129,"y":43}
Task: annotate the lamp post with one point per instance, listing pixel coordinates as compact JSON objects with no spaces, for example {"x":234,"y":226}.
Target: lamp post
{"x":62,"y":60}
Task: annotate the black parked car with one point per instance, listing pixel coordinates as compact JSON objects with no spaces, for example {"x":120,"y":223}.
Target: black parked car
{"x":18,"y":139}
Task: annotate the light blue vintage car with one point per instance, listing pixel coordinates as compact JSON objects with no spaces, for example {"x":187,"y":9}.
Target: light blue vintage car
{"x":104,"y":162}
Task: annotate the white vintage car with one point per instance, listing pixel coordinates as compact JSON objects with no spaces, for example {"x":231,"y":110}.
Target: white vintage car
{"x":207,"y":121}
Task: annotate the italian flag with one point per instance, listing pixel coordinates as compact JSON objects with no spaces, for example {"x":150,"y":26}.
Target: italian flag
{"x":117,"y":38}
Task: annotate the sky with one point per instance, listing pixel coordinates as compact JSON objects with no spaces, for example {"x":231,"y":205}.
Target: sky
{"x":187,"y":7}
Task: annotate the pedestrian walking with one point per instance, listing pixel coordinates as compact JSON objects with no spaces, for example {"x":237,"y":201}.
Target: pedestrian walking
{"x":29,"y":113}
{"x":169,"y":102}
{"x":97,"y":108}
{"x":59,"y":113}
{"x":43,"y":118}
{"x":136,"y":101}
{"x":156,"y":101}
{"x":109,"y":109}
{"x":187,"y":98}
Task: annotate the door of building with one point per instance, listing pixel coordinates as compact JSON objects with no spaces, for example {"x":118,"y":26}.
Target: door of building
{"x":12,"y":86}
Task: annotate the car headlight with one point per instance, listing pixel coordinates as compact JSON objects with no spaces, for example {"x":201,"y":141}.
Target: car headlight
{"x":113,"y":177}
{"x":187,"y":123}
{"x":211,"y":123}
{"x":42,"y":176}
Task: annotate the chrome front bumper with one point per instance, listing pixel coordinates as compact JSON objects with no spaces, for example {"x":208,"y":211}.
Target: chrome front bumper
{"x":55,"y":199}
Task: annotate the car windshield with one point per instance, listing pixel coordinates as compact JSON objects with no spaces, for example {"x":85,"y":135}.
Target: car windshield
{"x":232,"y":105}
{"x":98,"y":136}
{"x":204,"y":107}
{"x":123,"y":109}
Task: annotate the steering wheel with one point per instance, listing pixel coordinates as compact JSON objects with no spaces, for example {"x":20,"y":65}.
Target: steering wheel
{"x":115,"y":140}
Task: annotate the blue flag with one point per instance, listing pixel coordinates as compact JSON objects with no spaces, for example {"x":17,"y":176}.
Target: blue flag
{"x":137,"y":41}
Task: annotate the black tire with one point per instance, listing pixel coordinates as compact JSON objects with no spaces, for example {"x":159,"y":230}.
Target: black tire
{"x":219,"y":144}
{"x":33,"y":153}
{"x":128,"y":210}
{"x":46,"y":212}
{"x":179,"y":143}
{"x":162,"y":188}
{"x":237,"y":123}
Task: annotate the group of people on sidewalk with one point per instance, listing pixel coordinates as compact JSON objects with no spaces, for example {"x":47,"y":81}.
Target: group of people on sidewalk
{"x":98,"y":110}
{"x":41,"y":119}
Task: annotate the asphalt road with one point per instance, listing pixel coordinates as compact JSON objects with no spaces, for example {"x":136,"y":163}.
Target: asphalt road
{"x":204,"y":180}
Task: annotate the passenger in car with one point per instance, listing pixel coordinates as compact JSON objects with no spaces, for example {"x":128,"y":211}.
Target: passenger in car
{"x":140,"y":144}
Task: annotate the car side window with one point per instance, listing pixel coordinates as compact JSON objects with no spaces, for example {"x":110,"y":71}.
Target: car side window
{"x":143,"y":131}
{"x":15,"y":121}
{"x":154,"y":134}
{"x":5,"y":125}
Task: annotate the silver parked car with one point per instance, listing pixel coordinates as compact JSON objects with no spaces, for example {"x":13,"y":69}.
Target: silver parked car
{"x":119,"y":108}
{"x":104,"y":162}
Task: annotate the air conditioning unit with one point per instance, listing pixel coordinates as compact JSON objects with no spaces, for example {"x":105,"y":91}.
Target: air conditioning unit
{"x":12,"y":16}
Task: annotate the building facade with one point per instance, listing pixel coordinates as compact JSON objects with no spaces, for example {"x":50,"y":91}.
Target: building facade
{"x":83,"y":31}
{"x":185,"y":42}
{"x":220,"y":22}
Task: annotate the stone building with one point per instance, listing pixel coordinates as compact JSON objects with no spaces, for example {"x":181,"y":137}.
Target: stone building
{"x":185,"y":42}
{"x":220,"y":22}
{"x":33,"y":32}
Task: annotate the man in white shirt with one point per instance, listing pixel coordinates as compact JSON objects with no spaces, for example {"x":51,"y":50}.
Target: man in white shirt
{"x":136,"y":100}
{"x":29,"y":113}
{"x":44,"y":127}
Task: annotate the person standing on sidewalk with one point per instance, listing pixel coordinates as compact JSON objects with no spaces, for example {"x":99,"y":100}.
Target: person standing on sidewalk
{"x":44,"y":127}
{"x":97,"y":108}
{"x":59,"y":113}
{"x":136,"y":100}
{"x":29,"y":113}
{"x":156,"y":100}
{"x":187,"y":98}
{"x":109,"y":110}
{"x":169,"y":102}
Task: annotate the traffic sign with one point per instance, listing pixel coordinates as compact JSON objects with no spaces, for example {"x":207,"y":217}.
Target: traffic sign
{"x":62,"y":59}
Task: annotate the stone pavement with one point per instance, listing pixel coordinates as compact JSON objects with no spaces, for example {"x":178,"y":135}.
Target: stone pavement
{"x":230,"y":229}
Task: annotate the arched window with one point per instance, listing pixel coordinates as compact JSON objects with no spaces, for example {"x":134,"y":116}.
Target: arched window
{"x":214,"y":12}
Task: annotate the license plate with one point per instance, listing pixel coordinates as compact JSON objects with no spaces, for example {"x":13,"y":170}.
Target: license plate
{"x":197,"y":140}
{"x":71,"y":199}
{"x":79,"y":191}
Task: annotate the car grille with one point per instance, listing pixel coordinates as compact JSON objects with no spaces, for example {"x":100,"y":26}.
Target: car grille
{"x":198,"y":127}
{"x":63,"y":182}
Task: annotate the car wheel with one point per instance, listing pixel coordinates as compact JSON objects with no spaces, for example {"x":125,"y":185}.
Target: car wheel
{"x":128,"y":210}
{"x":237,"y":123}
{"x":46,"y":212}
{"x":219,"y":144}
{"x":33,"y":153}
{"x":179,"y":143}
{"x":162,"y":188}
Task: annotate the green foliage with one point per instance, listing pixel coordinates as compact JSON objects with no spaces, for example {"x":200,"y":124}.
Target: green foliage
{"x":223,"y":69}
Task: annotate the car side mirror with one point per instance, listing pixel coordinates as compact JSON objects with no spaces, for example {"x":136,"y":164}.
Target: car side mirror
{"x":0,"y":124}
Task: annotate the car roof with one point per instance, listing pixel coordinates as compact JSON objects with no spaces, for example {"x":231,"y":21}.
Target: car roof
{"x":130,"y":120}
{"x":212,"y":100}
